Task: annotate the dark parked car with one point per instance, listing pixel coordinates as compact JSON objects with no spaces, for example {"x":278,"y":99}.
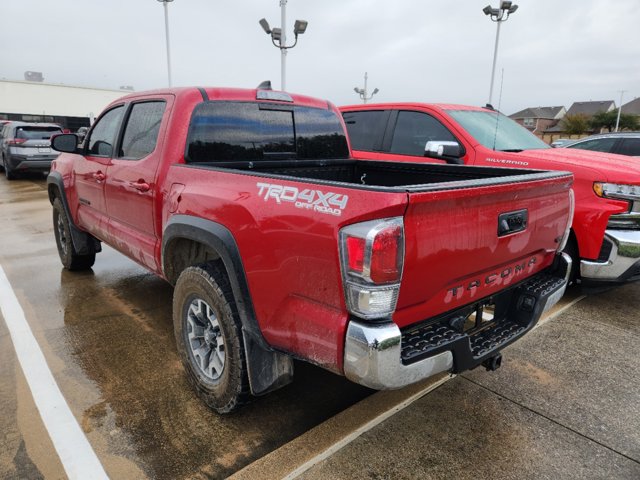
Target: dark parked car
{"x":627,"y":143}
{"x":26,"y":147}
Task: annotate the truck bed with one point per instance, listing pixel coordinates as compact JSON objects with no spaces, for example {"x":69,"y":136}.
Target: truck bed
{"x":386,"y":176}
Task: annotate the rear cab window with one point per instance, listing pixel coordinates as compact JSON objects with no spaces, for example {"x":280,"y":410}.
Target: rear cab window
{"x":257,"y":132}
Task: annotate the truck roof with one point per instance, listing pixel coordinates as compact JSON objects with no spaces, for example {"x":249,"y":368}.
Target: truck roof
{"x":228,"y":94}
{"x":441,"y":106}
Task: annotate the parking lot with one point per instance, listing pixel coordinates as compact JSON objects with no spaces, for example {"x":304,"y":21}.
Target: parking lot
{"x":566,"y":403}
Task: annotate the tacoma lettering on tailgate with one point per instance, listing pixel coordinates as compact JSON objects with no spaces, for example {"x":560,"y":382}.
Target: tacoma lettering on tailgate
{"x":329,"y":203}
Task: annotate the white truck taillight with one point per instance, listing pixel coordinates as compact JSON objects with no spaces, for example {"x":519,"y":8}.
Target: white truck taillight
{"x":372,"y":256}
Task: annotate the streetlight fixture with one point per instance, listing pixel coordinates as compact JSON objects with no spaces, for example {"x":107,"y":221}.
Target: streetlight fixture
{"x":363,"y":91}
{"x":279,"y":38}
{"x":166,"y":30}
{"x":498,"y":15}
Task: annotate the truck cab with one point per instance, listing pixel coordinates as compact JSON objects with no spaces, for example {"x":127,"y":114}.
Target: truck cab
{"x":605,"y":234}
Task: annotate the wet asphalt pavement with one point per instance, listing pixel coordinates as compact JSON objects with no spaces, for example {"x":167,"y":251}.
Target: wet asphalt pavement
{"x":565,"y":405}
{"x":108,"y":338}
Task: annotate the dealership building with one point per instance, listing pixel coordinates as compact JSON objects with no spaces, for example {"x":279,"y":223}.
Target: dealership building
{"x":69,"y":106}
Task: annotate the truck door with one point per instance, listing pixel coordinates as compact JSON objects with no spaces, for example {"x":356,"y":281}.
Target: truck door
{"x":130,"y":187}
{"x":91,"y":171}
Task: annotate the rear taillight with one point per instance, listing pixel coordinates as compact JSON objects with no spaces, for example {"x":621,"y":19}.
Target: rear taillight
{"x":16,"y":141}
{"x":372,"y":256}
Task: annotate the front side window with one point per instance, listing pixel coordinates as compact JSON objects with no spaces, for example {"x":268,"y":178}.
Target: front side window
{"x":234,"y":131}
{"x":104,"y":133}
{"x":413,"y":131}
{"x":596,"y":145}
{"x":630,"y":146}
{"x":141,"y":132}
{"x":365,"y":128}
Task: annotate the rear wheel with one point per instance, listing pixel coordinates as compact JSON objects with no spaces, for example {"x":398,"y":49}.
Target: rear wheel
{"x":70,"y":258}
{"x":209,"y":339}
{"x":8,"y":172}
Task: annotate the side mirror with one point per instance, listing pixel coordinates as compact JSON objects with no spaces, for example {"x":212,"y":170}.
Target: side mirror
{"x":65,"y":142}
{"x":444,"y":150}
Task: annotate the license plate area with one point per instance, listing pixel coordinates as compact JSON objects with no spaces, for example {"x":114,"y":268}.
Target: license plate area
{"x":44,"y":150}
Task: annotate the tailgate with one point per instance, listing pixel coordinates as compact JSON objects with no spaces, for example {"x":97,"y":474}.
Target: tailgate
{"x":454,"y":252}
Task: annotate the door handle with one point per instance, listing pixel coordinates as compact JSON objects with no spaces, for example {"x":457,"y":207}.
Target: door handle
{"x":141,"y":186}
{"x":99,"y":176}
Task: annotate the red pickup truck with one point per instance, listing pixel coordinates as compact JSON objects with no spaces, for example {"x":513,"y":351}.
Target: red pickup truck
{"x":282,"y":246}
{"x":605,"y":235}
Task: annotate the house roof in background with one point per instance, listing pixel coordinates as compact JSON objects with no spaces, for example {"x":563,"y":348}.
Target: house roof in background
{"x":591,"y":108}
{"x":537,"y":112}
{"x":632,"y":107}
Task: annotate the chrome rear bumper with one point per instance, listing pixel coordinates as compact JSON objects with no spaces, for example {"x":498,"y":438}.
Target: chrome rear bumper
{"x":374,"y":354}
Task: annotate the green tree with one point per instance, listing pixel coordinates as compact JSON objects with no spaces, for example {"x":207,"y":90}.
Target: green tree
{"x":575,"y":124}
{"x":608,"y":120}
{"x":629,"y":122}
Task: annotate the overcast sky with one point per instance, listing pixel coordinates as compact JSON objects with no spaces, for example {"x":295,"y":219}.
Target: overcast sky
{"x":552,"y":52}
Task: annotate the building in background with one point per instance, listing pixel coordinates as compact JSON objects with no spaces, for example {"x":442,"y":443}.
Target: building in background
{"x":539,"y":119}
{"x":589,"y":109}
{"x":632,"y":107}
{"x":69,"y":106}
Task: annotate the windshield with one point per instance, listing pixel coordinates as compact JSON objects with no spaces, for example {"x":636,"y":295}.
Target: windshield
{"x":495,"y":131}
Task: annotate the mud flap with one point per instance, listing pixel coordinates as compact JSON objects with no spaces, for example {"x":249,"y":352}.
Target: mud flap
{"x":268,"y":370}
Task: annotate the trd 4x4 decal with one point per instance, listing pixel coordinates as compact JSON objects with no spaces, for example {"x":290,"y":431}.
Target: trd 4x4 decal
{"x":321,"y":202}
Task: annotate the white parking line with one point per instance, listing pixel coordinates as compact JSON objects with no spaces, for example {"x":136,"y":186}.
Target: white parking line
{"x":76,"y":455}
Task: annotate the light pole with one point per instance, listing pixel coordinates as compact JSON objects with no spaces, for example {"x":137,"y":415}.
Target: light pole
{"x":619,"y":109}
{"x":166,"y":29}
{"x":498,"y":15}
{"x":363,"y":91}
{"x":279,"y":35}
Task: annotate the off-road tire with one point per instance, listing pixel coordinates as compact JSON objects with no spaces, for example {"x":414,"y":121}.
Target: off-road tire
{"x":70,"y":258}
{"x":209,"y":282}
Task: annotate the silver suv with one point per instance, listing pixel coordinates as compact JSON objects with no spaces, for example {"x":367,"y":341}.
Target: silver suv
{"x":622,"y":143}
{"x":26,"y":147}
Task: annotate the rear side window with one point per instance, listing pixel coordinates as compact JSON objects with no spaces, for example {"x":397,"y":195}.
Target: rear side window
{"x":141,"y":133}
{"x":630,"y":146}
{"x":234,"y":131}
{"x":104,"y":132}
{"x":413,"y":131}
{"x":365,"y":128}
{"x":36,"y":133}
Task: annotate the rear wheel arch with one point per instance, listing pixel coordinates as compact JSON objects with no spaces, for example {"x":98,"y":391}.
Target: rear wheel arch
{"x":188,"y":241}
